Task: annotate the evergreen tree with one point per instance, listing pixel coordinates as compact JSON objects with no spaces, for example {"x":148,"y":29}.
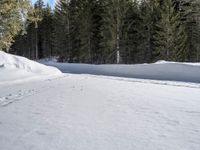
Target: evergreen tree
{"x":89,"y":28}
{"x":46,"y":33}
{"x":150,"y":16}
{"x":36,"y":16}
{"x":113,"y":16}
{"x":61,"y":28}
{"x":170,"y":37}
{"x":12,"y":14}
{"x":190,"y":12}
{"x":133,"y":33}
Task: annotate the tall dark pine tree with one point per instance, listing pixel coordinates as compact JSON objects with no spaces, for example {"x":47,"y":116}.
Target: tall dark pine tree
{"x":114,"y":14}
{"x":61,"y":29}
{"x":75,"y":8}
{"x":150,"y":16}
{"x":190,"y":12}
{"x":171,"y":39}
{"x":35,"y":16}
{"x":89,"y":28}
{"x":132,"y":41}
{"x":97,"y":22}
{"x":39,"y":10}
{"x":46,"y":33}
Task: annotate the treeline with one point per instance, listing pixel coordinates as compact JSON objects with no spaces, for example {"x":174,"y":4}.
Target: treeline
{"x":113,"y":31}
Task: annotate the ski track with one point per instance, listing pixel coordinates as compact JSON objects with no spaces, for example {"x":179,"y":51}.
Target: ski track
{"x":21,"y":94}
{"x":11,"y":98}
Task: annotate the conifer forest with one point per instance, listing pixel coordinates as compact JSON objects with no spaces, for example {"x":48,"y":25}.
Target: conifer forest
{"x":102,"y":31}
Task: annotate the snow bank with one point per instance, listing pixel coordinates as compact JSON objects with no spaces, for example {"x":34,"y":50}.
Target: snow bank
{"x":162,"y":70}
{"x":15,"y":67}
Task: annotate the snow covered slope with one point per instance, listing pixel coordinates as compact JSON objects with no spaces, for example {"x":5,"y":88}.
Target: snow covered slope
{"x":186,"y":72}
{"x":15,"y":68}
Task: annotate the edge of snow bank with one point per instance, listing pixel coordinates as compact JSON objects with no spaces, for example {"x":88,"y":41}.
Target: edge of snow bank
{"x":162,"y":70}
{"x":14,"y":67}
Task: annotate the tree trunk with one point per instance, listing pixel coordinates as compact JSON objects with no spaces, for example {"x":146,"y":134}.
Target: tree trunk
{"x":118,"y":35}
{"x":36,"y":44}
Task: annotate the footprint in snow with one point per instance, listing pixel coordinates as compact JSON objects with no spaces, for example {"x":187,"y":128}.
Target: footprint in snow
{"x":10,"y":98}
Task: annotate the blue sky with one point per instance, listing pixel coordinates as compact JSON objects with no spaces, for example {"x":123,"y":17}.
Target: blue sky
{"x":50,"y":2}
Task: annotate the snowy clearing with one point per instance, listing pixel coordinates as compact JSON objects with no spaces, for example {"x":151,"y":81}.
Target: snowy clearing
{"x":83,"y":112}
{"x":91,"y":112}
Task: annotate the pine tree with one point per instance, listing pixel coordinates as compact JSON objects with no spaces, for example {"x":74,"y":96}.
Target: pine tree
{"x":35,"y":16}
{"x":132,"y":40}
{"x":107,"y":45}
{"x":96,"y":20}
{"x":113,"y":15}
{"x":12,"y":13}
{"x":171,"y":40}
{"x":89,"y":24}
{"x":61,"y":29}
{"x":45,"y":29}
{"x":190,"y":12}
{"x":150,"y":16}
{"x":85,"y":28}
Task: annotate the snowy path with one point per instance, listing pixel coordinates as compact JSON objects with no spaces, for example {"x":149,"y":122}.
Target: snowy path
{"x":84,"y":112}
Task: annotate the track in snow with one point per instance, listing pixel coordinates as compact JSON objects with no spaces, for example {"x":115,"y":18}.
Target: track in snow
{"x":84,"y":112}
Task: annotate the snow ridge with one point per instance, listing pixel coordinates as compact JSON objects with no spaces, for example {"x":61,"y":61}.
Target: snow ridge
{"x":162,"y":70}
{"x":16,"y":67}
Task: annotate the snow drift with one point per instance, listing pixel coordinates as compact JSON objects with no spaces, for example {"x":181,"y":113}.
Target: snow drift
{"x":162,"y":70}
{"x":15,"y":67}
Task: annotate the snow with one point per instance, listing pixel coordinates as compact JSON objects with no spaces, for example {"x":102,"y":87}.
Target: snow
{"x":96,"y":112}
{"x":14,"y":68}
{"x":84,"y":112}
{"x":162,"y":70}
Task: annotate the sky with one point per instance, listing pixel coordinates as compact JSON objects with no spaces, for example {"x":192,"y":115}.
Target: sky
{"x":50,"y":2}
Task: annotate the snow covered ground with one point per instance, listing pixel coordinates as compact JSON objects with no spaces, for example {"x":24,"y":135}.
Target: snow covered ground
{"x":92,"y":112}
{"x":162,"y":70}
{"x":16,"y":68}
